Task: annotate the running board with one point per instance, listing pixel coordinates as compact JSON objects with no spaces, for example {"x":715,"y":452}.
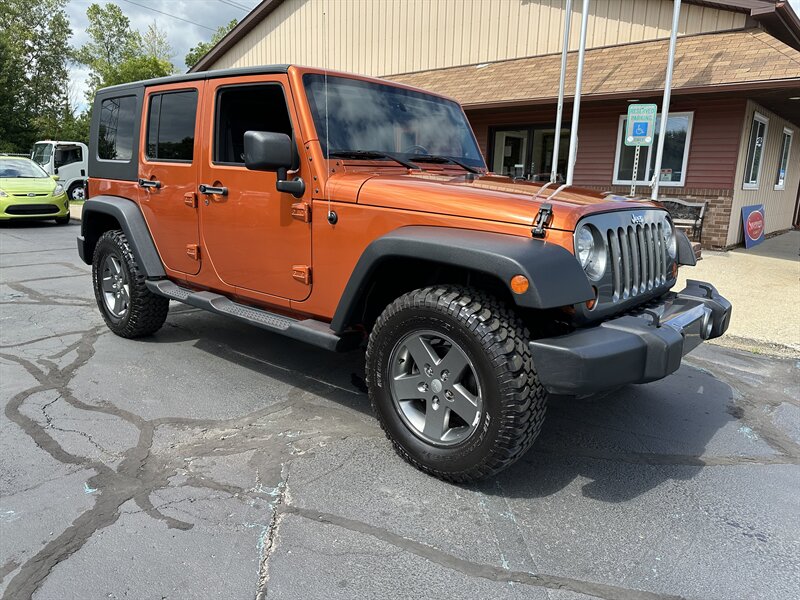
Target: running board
{"x":310,"y":331}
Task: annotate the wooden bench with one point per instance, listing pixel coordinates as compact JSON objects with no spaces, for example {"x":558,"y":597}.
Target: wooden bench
{"x":686,"y":215}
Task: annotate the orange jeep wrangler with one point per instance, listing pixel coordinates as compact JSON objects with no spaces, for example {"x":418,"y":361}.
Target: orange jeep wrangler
{"x":336,"y":210}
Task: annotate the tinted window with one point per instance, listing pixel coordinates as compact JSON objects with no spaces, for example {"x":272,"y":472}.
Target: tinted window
{"x":117,"y":119}
{"x":170,"y":126}
{"x":247,"y":108}
{"x":66,"y":155}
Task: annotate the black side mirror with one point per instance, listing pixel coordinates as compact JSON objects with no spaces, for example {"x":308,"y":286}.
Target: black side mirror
{"x":270,"y":151}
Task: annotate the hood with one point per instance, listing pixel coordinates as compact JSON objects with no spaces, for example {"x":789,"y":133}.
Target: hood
{"x":488,"y":197}
{"x":19,"y":185}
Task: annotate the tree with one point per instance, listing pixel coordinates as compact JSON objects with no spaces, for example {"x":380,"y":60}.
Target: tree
{"x":156,"y":44}
{"x":202,"y":48}
{"x":33,"y":69}
{"x":115,"y":53}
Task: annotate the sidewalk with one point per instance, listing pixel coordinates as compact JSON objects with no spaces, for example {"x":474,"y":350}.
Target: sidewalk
{"x":763,"y":284}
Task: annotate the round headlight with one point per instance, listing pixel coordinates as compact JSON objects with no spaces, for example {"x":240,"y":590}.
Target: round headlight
{"x":58,"y":190}
{"x":669,"y":239}
{"x":590,"y":251}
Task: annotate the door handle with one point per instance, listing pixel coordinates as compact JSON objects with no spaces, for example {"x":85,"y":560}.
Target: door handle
{"x":210,"y":189}
{"x":148,"y":183}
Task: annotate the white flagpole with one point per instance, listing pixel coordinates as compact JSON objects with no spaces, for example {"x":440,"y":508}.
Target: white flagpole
{"x":561,"y":85}
{"x":662,"y":134}
{"x":576,"y":104}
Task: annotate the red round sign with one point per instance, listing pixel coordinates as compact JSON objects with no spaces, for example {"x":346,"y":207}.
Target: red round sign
{"x":755,"y":225}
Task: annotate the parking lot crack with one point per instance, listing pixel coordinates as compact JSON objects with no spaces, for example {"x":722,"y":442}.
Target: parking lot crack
{"x":475,"y":569}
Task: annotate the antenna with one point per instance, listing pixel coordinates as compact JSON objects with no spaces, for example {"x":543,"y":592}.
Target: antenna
{"x":331,"y":215}
{"x":560,"y":109}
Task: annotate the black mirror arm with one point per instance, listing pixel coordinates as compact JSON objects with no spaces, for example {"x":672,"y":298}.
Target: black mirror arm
{"x":295,"y":187}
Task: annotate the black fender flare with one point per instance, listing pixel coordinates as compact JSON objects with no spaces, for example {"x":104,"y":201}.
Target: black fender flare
{"x":127,"y":213}
{"x":556,"y":279}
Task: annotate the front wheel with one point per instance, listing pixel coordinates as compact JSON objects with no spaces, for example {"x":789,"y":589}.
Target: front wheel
{"x":452,"y":382}
{"x":129,"y":309}
{"x":62,"y":220}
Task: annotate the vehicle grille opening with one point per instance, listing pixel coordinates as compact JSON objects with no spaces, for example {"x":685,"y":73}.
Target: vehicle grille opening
{"x":638,"y":259}
{"x":32,"y":209}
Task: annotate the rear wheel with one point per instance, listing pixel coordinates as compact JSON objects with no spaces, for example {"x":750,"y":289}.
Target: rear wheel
{"x":129,"y":309}
{"x":452,"y":382}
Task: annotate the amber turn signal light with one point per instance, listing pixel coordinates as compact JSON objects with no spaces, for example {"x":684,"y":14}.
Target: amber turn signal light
{"x":590,"y":304}
{"x":519,"y":284}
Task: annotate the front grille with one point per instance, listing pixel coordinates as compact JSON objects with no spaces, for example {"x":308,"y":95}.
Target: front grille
{"x":27,"y":195}
{"x":638,"y":257}
{"x":32,"y":209}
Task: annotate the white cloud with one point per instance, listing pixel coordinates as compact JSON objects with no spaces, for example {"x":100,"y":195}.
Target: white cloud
{"x":181,"y":35}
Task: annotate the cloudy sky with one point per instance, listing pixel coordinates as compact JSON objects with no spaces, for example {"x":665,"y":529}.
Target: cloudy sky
{"x":186,"y":23}
{"x":191,"y":21}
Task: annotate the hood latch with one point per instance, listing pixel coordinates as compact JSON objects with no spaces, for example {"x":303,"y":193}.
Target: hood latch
{"x":543,"y":218}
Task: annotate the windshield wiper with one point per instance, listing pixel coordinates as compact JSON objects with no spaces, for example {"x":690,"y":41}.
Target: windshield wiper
{"x":438,"y":158}
{"x":367,"y":154}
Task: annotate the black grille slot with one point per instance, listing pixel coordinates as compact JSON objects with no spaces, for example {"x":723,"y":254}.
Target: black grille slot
{"x":32,"y":209}
{"x":638,"y":259}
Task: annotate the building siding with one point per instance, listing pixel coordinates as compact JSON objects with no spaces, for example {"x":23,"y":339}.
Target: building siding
{"x":779,"y":205}
{"x":384,"y":37}
{"x":713,"y":148}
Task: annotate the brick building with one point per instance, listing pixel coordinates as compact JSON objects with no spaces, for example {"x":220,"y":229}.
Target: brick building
{"x":734,"y":124}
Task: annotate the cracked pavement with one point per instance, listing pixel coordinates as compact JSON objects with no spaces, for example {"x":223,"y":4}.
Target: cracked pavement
{"x":216,"y":460}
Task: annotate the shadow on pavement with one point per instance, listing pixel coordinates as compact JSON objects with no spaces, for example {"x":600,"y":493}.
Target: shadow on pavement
{"x":665,"y":425}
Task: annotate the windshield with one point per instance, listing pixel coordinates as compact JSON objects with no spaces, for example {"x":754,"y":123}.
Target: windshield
{"x":20,"y":167}
{"x":367,"y":116}
{"x":42,"y":153}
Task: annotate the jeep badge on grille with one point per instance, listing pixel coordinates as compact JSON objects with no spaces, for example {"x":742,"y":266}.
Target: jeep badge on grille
{"x":637,"y":219}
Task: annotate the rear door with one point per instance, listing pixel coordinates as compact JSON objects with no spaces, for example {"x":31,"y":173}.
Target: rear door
{"x":168,"y":169}
{"x":253,"y":238}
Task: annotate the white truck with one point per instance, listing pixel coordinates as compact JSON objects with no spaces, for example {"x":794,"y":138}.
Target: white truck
{"x":68,"y":160}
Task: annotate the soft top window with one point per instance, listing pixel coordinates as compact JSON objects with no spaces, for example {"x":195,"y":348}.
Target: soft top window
{"x":117,"y":120}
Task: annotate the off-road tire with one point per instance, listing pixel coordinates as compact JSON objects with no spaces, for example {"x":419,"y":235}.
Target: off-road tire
{"x":496,"y":341}
{"x":146,"y":312}
{"x":62,"y":220}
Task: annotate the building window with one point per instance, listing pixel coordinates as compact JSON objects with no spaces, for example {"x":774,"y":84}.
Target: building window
{"x":170,"y":126}
{"x":527,"y":152}
{"x":247,"y":108}
{"x":783,"y":164}
{"x":755,"y":150}
{"x":673,"y":163}
{"x":117,"y":119}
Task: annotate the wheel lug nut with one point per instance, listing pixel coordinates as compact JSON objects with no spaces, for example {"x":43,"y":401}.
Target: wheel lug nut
{"x":428,"y":370}
{"x":435,"y":403}
{"x":422,"y":387}
{"x":445,"y":375}
{"x":449,"y":395}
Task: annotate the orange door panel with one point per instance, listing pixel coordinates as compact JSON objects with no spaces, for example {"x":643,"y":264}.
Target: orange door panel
{"x":168,"y":166}
{"x":250,"y":236}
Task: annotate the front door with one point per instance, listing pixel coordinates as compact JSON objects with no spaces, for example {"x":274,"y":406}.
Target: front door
{"x":168,"y":165}
{"x":249,"y":233}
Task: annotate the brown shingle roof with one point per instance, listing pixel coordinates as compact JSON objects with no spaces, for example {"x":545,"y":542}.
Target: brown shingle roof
{"x":702,"y":63}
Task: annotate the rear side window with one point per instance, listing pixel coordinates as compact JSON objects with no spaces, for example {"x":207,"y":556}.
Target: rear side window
{"x":117,"y":119}
{"x":170,"y":126}
{"x":247,"y":108}
{"x":66,"y":155}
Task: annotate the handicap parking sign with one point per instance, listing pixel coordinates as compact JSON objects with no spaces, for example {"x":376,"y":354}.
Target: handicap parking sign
{"x":641,"y":124}
{"x":640,"y":129}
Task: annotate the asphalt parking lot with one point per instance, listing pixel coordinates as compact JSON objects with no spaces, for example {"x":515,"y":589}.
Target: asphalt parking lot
{"x":215,"y":460}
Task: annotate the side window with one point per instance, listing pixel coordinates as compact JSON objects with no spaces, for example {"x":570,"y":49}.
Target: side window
{"x":170,"y":126}
{"x":755,"y":148}
{"x":66,"y":155}
{"x":247,"y":108}
{"x":117,"y":119}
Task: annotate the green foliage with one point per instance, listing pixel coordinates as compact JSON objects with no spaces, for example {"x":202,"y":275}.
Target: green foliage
{"x":115,"y":53}
{"x":33,"y":70}
{"x":201,"y":49}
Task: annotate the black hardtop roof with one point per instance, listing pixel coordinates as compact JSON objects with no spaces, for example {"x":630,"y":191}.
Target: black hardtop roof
{"x":259,"y":70}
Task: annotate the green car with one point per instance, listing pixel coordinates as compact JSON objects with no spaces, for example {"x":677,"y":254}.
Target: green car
{"x":28,"y":192}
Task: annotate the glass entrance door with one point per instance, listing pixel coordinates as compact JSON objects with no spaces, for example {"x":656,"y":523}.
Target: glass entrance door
{"x":527,"y":152}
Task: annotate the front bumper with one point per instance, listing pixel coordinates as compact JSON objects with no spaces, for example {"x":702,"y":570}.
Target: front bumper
{"x":38,"y":207}
{"x":632,"y":348}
